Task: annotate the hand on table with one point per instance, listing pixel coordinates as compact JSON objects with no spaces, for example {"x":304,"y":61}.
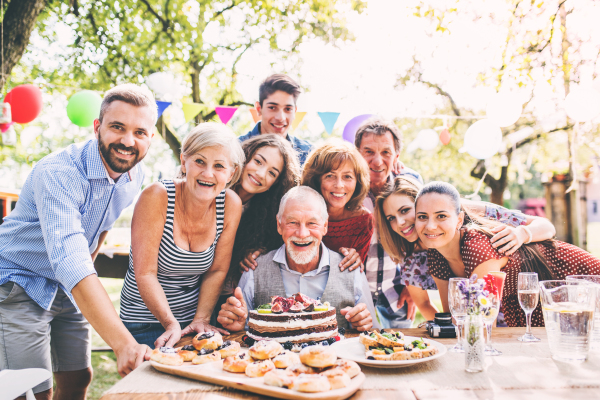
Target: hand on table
{"x":411,"y":311}
{"x":234,"y":312}
{"x":351,"y":260}
{"x":508,"y":239}
{"x":358,"y":316}
{"x":131,"y":356}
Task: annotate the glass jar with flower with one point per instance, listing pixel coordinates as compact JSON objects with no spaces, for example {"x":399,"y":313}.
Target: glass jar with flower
{"x":478,"y":307}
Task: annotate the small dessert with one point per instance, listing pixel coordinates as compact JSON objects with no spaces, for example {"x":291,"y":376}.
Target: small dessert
{"x":285,"y":359}
{"x":237,"y":363}
{"x":206,"y":356}
{"x":389,"y":339}
{"x":318,"y":356}
{"x":188,"y":352}
{"x":265,"y":349}
{"x":348,"y":366}
{"x":259,"y":368}
{"x":229,"y":348}
{"x":368,"y":339}
{"x":337,"y":378}
{"x":207,"y":340}
{"x":417,"y":349}
{"x":167,"y":356}
{"x":300,"y":368}
{"x":311,"y":383}
{"x":280,"y":378}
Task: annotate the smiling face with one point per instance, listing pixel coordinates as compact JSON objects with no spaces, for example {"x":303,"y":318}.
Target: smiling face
{"x":338,"y":185}
{"x":207,"y":172}
{"x":262,"y":170}
{"x":437,"y":222}
{"x":277,"y":113}
{"x":124,"y":136}
{"x":302,"y":229}
{"x":399,"y":211}
{"x":380,"y":154}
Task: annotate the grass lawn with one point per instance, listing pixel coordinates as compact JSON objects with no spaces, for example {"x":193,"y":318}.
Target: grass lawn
{"x":105,"y":363}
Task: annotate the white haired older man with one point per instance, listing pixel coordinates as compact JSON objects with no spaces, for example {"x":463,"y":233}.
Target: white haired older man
{"x":302,"y":264}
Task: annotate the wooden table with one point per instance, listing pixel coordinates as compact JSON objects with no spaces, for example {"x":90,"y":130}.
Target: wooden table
{"x":500,"y":336}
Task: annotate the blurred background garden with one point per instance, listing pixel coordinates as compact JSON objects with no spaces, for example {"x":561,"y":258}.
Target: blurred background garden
{"x":436,"y":67}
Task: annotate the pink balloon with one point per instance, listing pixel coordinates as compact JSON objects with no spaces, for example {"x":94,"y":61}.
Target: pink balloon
{"x":353,"y":125}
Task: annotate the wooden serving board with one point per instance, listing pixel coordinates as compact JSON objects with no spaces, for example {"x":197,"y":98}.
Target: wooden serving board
{"x":213,"y":373}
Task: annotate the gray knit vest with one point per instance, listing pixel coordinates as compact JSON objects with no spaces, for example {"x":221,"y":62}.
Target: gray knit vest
{"x":339,"y":291}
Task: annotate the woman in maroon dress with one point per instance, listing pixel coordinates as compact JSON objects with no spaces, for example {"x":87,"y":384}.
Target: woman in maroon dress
{"x":460,"y":251}
{"x":338,"y":171}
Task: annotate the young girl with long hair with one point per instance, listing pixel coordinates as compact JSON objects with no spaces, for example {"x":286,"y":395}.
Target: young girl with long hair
{"x":462,"y":250}
{"x":395,"y":213}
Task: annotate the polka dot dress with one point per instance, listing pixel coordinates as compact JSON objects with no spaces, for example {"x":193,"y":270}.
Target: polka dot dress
{"x":564,"y":259}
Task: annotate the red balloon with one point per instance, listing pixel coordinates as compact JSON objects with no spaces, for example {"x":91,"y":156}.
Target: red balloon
{"x":445,"y":136}
{"x":25,"y":103}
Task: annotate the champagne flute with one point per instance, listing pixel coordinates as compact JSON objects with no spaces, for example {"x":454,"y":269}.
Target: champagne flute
{"x":458,"y":303}
{"x":489,"y":319}
{"x":529,"y":295}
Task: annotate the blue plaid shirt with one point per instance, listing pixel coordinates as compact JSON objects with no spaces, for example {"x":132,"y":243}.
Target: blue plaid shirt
{"x":301,"y":146}
{"x":67,"y":201}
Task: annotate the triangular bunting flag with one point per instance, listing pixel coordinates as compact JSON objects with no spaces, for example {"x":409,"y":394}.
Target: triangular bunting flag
{"x":225,"y":113}
{"x":299,"y":117}
{"x":190,"y":110}
{"x":162,"y":105}
{"x":329,"y":119}
{"x":255,"y":116}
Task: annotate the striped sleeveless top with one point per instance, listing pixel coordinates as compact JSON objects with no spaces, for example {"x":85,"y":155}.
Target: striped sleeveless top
{"x":179,"y":271}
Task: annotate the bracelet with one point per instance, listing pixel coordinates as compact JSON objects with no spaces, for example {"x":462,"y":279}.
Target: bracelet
{"x":528,"y":234}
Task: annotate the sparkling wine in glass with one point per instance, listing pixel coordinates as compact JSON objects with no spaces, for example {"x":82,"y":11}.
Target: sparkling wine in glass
{"x":529,"y":295}
{"x":457,"y":302}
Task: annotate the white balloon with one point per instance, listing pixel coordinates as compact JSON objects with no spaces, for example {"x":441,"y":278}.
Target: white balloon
{"x":29,"y":134}
{"x":504,"y":109}
{"x":428,"y":139}
{"x":582,"y":104}
{"x":161,"y":83}
{"x":413,"y":146}
{"x":483,"y":139}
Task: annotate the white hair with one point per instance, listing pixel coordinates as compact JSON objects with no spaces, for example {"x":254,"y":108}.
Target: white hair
{"x":213,"y":134}
{"x":301,"y":193}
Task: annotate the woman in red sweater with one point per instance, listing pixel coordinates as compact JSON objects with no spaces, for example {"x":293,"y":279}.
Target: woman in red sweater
{"x":338,"y":171}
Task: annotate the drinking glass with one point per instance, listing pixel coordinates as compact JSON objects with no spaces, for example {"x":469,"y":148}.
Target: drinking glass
{"x":499,"y":278}
{"x":594,"y":280}
{"x":458,"y":304}
{"x":568,"y":308}
{"x":489,"y":319}
{"x":529,"y":294}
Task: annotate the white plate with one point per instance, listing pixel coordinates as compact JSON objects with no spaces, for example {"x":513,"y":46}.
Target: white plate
{"x":352,"y":349}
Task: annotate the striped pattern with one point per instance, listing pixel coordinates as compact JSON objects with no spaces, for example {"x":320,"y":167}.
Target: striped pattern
{"x":179,"y":271}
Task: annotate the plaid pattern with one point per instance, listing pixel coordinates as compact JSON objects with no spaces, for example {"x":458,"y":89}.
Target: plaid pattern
{"x":381,"y":271}
{"x":301,"y":146}
{"x":67,"y":201}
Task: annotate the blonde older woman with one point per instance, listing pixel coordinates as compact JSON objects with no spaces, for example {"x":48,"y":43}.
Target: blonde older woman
{"x":182,"y":235}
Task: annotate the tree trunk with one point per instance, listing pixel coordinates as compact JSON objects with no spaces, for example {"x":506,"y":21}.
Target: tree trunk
{"x":170,"y":138}
{"x":195,"y":75}
{"x":18,"y":22}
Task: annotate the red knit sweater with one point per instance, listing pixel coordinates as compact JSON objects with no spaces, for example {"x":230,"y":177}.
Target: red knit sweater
{"x":353,"y":233}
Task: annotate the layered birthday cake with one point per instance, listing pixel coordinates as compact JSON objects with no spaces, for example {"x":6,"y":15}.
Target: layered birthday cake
{"x":295,"y":319}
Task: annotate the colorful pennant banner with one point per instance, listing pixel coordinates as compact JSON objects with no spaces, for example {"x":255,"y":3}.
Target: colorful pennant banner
{"x":255,"y":115}
{"x":225,"y":113}
{"x":162,"y":105}
{"x":299,"y":117}
{"x":329,"y":119}
{"x":190,"y":110}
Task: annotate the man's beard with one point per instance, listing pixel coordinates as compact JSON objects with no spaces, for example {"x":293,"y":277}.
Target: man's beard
{"x":114,"y":163}
{"x":302,"y":257}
